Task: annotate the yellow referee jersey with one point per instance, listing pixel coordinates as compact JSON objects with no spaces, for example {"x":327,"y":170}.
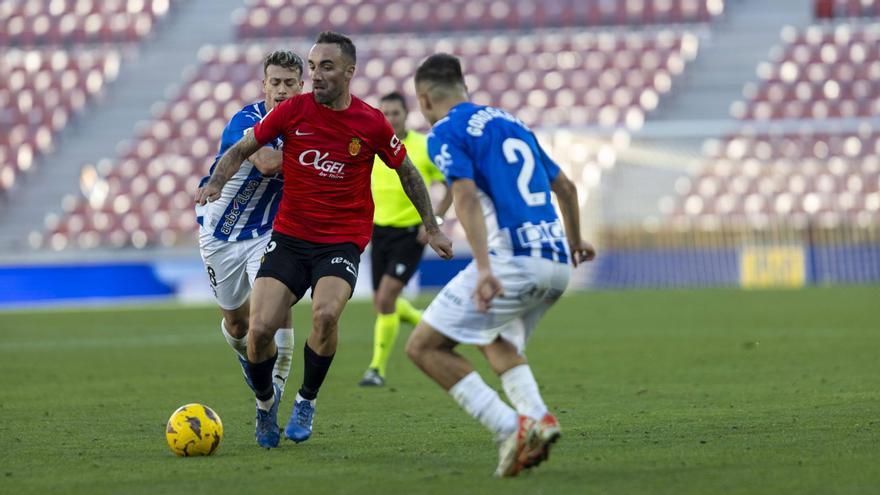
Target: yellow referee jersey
{"x":393,"y":208}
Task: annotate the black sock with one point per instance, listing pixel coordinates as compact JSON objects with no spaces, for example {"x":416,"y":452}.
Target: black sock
{"x":314,"y":371}
{"x":261,"y":377}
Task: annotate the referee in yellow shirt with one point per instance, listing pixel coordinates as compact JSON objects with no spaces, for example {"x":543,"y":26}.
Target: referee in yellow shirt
{"x":398,"y":239}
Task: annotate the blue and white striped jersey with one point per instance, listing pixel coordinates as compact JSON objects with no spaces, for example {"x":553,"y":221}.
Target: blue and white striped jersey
{"x":512,"y":173}
{"x":248,"y":202}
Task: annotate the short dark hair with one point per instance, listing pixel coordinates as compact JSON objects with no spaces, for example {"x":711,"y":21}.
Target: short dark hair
{"x":395,"y":96}
{"x":441,"y":68}
{"x":284,"y":58}
{"x":344,"y":42}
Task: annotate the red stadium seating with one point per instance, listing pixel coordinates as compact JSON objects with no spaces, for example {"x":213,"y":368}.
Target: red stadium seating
{"x":271,"y":18}
{"x":826,"y":9}
{"x":561,"y":78}
{"x":822,"y":72}
{"x":41,"y":90}
{"x":41,"y":22}
{"x":802,"y":175}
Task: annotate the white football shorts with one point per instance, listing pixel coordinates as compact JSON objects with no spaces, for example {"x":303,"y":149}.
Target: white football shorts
{"x":232,"y":266}
{"x":531,"y":285}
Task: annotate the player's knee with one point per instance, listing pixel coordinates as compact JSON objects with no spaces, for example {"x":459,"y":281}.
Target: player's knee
{"x":324,"y":320}
{"x":236,"y":326}
{"x":260,"y":333}
{"x":415,"y":347}
{"x":384,"y":305}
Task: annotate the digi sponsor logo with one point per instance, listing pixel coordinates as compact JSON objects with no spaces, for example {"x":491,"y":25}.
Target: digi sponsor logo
{"x":319,"y":161}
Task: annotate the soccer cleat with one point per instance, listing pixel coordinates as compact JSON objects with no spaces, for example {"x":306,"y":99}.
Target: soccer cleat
{"x":267,"y":433}
{"x":244,"y":368}
{"x":372,"y":378}
{"x":299,"y":428}
{"x":512,"y":451}
{"x":547,"y":432}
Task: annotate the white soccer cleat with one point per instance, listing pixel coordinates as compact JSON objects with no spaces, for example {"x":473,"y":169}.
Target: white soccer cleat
{"x":513,"y":450}
{"x":547,"y":432}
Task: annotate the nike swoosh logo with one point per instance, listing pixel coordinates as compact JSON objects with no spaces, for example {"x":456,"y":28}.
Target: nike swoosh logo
{"x":302,"y":133}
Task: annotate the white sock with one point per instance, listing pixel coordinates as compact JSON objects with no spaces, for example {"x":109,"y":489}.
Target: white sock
{"x":265,"y":405}
{"x":300,"y":398}
{"x":238,"y":345}
{"x":483,"y":403}
{"x":522,"y":390}
{"x":284,"y":343}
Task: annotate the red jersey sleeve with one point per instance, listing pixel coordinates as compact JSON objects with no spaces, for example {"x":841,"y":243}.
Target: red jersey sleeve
{"x":276,"y":121}
{"x":390,"y":149}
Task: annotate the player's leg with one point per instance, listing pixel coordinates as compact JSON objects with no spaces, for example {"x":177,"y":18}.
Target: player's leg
{"x":385,"y":329}
{"x":434,"y":354}
{"x":506,"y":354}
{"x":405,"y":262}
{"x":402,"y":253}
{"x":284,"y":335}
{"x":386,"y":322}
{"x":522,"y":390}
{"x":270,"y":309}
{"x":329,"y":297}
{"x":226,"y":265}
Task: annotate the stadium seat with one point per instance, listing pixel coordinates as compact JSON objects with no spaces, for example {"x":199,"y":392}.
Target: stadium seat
{"x":41,"y":91}
{"x":272,"y":18}
{"x":808,"y":174}
{"x":821,"y":72}
{"x":41,"y":22}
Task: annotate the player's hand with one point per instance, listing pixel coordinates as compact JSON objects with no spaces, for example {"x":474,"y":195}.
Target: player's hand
{"x":422,"y":235}
{"x":488,"y":288}
{"x":207,"y":193}
{"x":581,"y":252}
{"x":440,"y":244}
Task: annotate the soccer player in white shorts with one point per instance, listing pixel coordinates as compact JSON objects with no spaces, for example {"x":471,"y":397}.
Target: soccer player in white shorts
{"x":501,"y":180}
{"x":236,"y":228}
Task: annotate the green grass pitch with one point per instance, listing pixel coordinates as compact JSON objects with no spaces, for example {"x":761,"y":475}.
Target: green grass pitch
{"x":678,"y":392}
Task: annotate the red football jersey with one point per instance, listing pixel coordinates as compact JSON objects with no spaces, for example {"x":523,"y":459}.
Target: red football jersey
{"x":328,"y":159}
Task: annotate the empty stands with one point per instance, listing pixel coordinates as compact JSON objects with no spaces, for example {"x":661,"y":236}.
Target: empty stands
{"x":270,"y":18}
{"x":41,"y":90}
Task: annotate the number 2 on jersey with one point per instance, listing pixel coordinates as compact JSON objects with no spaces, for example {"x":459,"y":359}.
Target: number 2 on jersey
{"x":513,"y":147}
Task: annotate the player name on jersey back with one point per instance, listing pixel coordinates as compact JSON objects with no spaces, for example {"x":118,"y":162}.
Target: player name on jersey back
{"x":512,"y":174}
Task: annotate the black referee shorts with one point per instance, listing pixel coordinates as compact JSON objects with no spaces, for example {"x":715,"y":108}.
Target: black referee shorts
{"x":395,"y":252}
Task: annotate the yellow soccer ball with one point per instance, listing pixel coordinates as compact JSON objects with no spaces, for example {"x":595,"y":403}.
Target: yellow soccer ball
{"x":194,"y":429}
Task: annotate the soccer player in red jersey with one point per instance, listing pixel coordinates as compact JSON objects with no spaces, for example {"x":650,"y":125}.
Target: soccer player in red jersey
{"x":323,"y":224}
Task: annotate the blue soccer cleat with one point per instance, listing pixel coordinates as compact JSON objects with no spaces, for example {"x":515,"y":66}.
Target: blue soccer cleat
{"x":299,"y":428}
{"x":244,"y":368}
{"x":268,"y":434}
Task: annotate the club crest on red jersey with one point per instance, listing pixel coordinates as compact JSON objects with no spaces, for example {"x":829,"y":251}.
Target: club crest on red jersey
{"x":354,"y":147}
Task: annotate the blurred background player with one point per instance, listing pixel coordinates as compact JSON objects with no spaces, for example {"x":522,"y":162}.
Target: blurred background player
{"x":235,"y":228}
{"x":323,"y":224}
{"x":523,"y":259}
{"x":399,"y":238}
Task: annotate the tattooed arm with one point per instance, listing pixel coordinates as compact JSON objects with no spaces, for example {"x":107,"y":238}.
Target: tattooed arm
{"x":228,"y":165}
{"x":415,"y":189}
